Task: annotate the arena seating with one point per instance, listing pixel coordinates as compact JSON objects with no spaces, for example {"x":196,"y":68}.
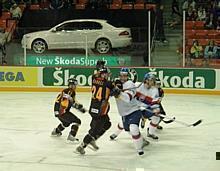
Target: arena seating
{"x":195,"y":30}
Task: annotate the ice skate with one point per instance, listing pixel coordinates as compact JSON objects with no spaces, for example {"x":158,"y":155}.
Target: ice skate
{"x":113,"y":136}
{"x":72,"y":138}
{"x":152,"y":135}
{"x":80,"y":150}
{"x":145,"y":143}
{"x":56,"y":133}
{"x":92,"y":145}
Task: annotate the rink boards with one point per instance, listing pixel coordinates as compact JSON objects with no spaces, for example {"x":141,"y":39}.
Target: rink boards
{"x":49,"y":79}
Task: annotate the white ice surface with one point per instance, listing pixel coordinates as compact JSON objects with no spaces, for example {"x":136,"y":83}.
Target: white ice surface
{"x":26,"y":121}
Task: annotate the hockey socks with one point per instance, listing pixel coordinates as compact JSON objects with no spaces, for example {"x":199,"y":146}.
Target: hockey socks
{"x":137,"y":138}
{"x":117,"y":132}
{"x":74,"y":129}
{"x":152,"y":127}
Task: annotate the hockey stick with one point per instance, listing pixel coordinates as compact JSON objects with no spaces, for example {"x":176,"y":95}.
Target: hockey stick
{"x":133,"y":87}
{"x":168,"y":121}
{"x":181,"y":122}
{"x":177,"y":121}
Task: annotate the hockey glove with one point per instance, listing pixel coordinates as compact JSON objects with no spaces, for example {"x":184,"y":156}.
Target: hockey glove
{"x":79,"y":107}
{"x":83,"y":110}
{"x":115,"y":92}
{"x":118,"y":84}
{"x":56,"y":113}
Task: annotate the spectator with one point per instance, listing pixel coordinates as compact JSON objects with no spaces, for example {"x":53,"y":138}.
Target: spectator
{"x":201,"y":14}
{"x":160,"y":36}
{"x":210,"y":23}
{"x":175,"y":8}
{"x":191,"y":14}
{"x":185,"y":5}
{"x":128,"y":1}
{"x":210,"y":50}
{"x":7,"y":4}
{"x":146,"y":57}
{"x":218,"y":23}
{"x":56,"y":4}
{"x":2,"y":44}
{"x":192,"y":4}
{"x":4,"y":62}
{"x":1,"y":7}
{"x":92,"y":4}
{"x":196,"y":50}
{"x":15,"y":10}
{"x":217,"y":52}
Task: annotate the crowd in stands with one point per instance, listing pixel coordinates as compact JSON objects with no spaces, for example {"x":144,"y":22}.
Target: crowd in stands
{"x":10,"y":14}
{"x":203,"y":10}
{"x":204,"y":15}
{"x":63,"y":4}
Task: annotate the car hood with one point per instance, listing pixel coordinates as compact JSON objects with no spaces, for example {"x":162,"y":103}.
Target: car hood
{"x":37,"y":33}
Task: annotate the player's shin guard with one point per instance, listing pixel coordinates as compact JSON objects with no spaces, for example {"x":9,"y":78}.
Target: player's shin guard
{"x":137,"y":138}
{"x":60,"y":127}
{"x":117,"y":132}
{"x":74,"y":129}
{"x":153,"y":126}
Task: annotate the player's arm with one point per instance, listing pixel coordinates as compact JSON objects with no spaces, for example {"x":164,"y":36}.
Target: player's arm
{"x":57,"y":105}
{"x":79,"y":107}
{"x":128,"y":95}
{"x":144,"y":99}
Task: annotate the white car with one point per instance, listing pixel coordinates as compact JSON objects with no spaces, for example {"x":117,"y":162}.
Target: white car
{"x":74,"y":34}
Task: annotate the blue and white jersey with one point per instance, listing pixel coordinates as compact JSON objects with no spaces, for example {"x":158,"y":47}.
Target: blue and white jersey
{"x":126,"y":102}
{"x":147,"y":96}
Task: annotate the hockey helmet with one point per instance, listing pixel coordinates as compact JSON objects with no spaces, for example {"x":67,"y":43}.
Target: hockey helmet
{"x":104,"y":70}
{"x":124,"y":71}
{"x":72,"y":81}
{"x":100,"y":64}
{"x":149,"y":76}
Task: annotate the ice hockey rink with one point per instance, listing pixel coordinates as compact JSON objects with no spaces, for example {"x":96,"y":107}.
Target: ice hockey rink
{"x":26,"y":121}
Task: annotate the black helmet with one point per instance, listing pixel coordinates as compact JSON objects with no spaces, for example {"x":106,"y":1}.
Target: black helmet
{"x":100,"y":64}
{"x":104,"y":70}
{"x":72,"y":81}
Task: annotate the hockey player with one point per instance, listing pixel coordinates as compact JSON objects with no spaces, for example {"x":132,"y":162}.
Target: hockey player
{"x":99,"y":108}
{"x":161,"y":95}
{"x":128,"y":109}
{"x":148,"y":96}
{"x":65,"y":100}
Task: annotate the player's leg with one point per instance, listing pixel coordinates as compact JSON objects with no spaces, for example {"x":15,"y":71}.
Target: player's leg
{"x":64,"y":123}
{"x":131,"y":122}
{"x":162,"y":112}
{"x":75,"y":122}
{"x":152,"y":127}
{"x":106,"y":125}
{"x":95,"y":126}
{"x":118,"y":130}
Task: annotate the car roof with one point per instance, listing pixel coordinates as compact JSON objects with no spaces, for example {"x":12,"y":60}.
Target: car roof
{"x":80,"y":20}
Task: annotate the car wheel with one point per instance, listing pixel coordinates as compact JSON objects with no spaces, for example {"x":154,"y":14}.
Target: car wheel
{"x":39,"y":46}
{"x":103,"y":46}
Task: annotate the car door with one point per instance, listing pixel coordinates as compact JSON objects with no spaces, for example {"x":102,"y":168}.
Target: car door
{"x":66,"y":36}
{"x":90,"y":31}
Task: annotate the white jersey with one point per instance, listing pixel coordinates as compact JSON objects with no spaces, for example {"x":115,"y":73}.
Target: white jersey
{"x":126,"y":102}
{"x":143,"y":93}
